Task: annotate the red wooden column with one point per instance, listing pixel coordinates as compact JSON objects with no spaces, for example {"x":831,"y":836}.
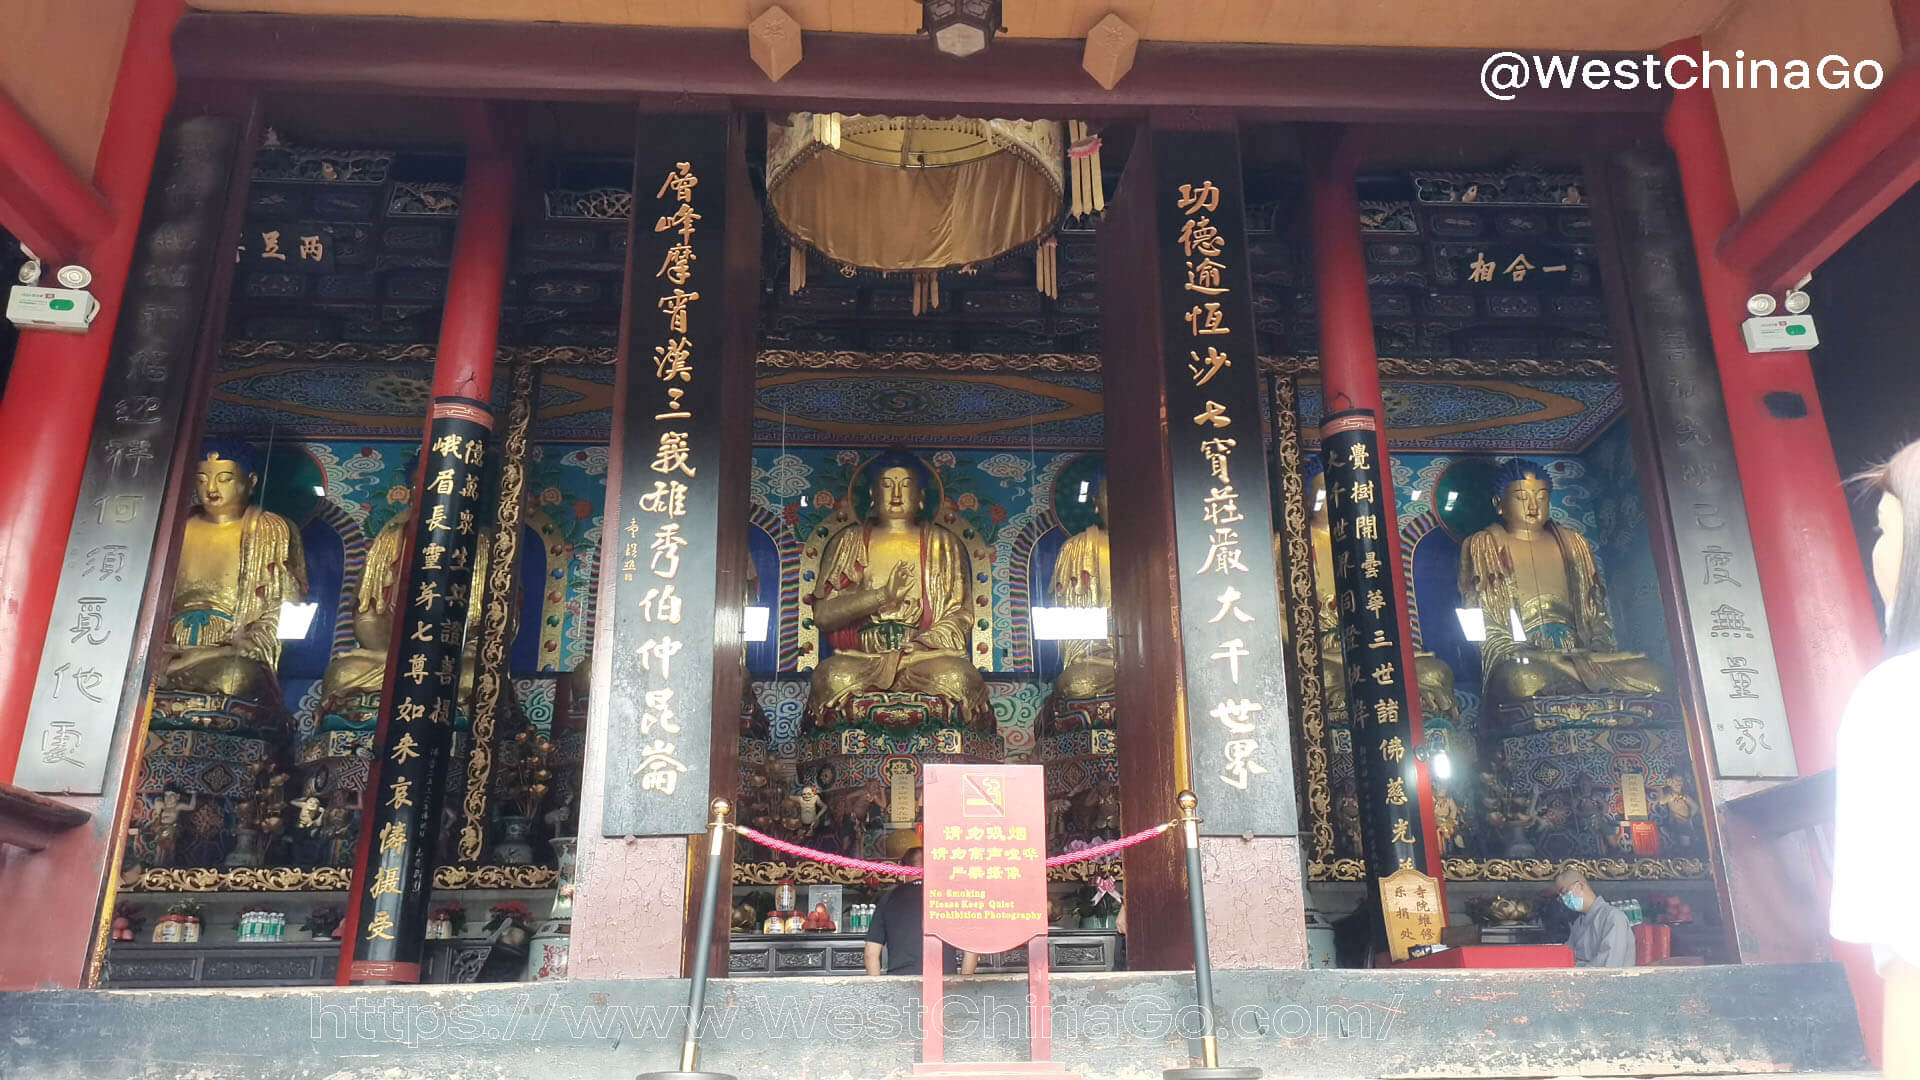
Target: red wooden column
{"x":54,"y":387}
{"x":386,"y":914}
{"x":1350,"y":379}
{"x":470,"y":323}
{"x":1810,"y":569}
{"x":1803,"y":540}
{"x":43,"y":203}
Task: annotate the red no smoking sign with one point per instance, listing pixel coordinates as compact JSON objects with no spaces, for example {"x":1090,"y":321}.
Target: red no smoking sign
{"x":986,"y":883}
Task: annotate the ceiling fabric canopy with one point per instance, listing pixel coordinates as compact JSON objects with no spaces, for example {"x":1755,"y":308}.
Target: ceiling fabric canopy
{"x":913,"y":194}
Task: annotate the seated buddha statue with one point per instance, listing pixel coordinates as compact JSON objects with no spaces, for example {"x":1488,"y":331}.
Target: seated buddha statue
{"x":363,"y":669}
{"x":237,"y":564}
{"x":1083,"y":578}
{"x":1525,"y":570}
{"x":890,"y":597}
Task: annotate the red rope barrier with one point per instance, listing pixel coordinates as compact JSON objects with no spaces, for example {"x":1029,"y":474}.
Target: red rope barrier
{"x":871,"y":867}
{"x":1109,"y":847}
{"x":896,"y":870}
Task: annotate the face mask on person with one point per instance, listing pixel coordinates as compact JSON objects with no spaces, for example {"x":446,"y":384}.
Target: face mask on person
{"x":1572,"y":901}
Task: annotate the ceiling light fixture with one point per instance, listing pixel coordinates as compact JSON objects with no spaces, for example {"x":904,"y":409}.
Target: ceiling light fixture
{"x":960,"y":27}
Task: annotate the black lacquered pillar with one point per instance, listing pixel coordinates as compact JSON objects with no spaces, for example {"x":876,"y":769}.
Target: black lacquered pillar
{"x":387,"y":907}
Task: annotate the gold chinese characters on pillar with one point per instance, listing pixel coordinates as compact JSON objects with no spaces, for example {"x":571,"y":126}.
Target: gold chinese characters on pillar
{"x":665,"y":576}
{"x":1223,"y":524}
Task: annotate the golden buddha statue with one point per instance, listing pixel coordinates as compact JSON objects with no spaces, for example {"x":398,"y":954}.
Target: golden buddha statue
{"x":363,"y":669}
{"x":1333,"y":660}
{"x":1083,"y":578}
{"x":237,"y":564}
{"x":891,"y":597}
{"x":1525,"y":570}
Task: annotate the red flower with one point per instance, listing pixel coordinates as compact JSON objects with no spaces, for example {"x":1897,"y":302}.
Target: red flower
{"x":997,"y":512}
{"x":582,"y":509}
{"x":791,"y":513}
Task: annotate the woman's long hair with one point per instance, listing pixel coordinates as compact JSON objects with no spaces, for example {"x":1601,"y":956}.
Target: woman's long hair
{"x":1900,"y":477}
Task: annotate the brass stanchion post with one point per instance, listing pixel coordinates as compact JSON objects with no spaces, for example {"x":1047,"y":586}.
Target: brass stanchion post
{"x":1210,"y":1068}
{"x":703,"y":945}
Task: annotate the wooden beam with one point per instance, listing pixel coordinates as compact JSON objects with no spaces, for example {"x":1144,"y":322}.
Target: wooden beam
{"x":847,"y":72}
{"x":43,"y":203}
{"x":32,"y":821}
{"x":1846,"y":181}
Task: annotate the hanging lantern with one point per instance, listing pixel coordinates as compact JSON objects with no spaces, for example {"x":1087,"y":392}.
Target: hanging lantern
{"x":913,"y":195}
{"x":960,"y":27}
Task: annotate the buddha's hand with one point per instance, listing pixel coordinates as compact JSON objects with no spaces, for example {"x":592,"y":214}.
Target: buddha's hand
{"x":902,"y":583}
{"x":185,"y":656}
{"x":1558,"y":659}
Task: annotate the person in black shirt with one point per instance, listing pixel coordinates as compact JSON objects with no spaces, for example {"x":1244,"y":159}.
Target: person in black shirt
{"x":896,"y":927}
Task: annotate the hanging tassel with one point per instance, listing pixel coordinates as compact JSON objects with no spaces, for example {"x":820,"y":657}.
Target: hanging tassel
{"x":1075,"y":132}
{"x":796,"y":268}
{"x":926,"y":291}
{"x":1046,"y":267}
{"x":826,"y":129}
{"x":1089,"y":196}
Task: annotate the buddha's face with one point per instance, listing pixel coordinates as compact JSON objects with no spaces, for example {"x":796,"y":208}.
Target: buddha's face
{"x":1524,"y":504}
{"x":896,"y":494}
{"x":224,"y":487}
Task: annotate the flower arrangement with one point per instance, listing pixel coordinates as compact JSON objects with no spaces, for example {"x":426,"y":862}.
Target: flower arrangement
{"x":187,"y":909}
{"x":524,"y":774}
{"x":505,"y":912}
{"x":181,"y":923}
{"x":324,"y":920}
{"x":455,"y":916}
{"x":1100,"y":900}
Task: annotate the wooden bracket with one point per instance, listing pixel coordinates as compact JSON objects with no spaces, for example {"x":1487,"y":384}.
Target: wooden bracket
{"x":1111,"y":45}
{"x":773,"y":39}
